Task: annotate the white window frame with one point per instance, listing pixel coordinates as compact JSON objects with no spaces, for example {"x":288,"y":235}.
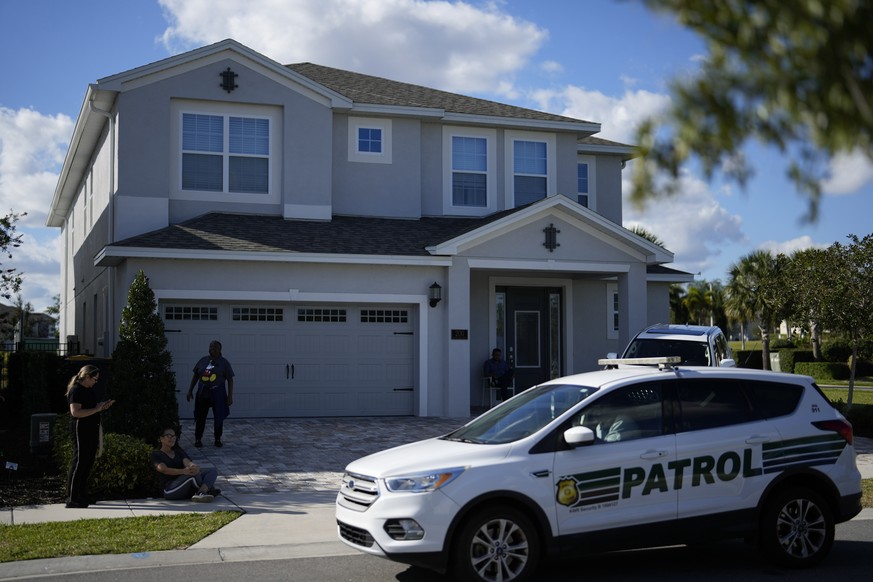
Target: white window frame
{"x":592,"y":180}
{"x":510,"y":137}
{"x":613,"y":309}
{"x":490,"y":136}
{"x":227,"y":110}
{"x":385,"y":125}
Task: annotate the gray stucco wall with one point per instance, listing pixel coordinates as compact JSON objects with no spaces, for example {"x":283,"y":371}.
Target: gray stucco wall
{"x":148,"y":141}
{"x":609,"y":198}
{"x":378,"y":189}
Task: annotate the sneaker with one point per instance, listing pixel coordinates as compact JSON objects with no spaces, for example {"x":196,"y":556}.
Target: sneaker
{"x":201,"y":497}
{"x":198,"y":443}
{"x":218,"y":443}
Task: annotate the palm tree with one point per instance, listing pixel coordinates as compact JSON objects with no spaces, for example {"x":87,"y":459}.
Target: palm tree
{"x":697,"y":304}
{"x":750,"y":294}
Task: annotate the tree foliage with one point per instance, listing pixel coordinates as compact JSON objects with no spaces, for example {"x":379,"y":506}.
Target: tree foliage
{"x":10,"y":279}
{"x":143,"y":382}
{"x":755,"y":292}
{"x":795,"y":75}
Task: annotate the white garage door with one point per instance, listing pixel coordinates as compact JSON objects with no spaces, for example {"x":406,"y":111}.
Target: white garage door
{"x":300,"y":360}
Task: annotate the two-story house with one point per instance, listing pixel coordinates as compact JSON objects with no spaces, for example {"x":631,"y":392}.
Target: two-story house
{"x":357,"y":244}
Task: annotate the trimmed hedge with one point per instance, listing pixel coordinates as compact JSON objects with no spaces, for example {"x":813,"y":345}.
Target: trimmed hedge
{"x":123,"y":470}
{"x":836,"y":350}
{"x":823,"y":371}
{"x":789,"y":357}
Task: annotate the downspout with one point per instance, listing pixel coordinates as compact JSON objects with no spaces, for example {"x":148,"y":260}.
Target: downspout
{"x":109,"y":334}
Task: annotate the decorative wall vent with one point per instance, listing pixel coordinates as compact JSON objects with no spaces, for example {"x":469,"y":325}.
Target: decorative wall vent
{"x":551,"y":238}
{"x":228,"y":80}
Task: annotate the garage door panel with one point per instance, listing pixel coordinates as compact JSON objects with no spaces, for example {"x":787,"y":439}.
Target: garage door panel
{"x":334,"y":360}
{"x":264,"y":376}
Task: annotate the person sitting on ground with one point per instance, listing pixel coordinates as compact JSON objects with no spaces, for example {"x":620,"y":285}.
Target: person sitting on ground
{"x":180,"y":477}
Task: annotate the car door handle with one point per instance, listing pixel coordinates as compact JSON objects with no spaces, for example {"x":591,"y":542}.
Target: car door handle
{"x":757,"y":439}
{"x":653,"y":454}
{"x":541,"y":473}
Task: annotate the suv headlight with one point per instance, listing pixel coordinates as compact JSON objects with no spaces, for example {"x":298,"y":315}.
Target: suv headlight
{"x":423,"y":482}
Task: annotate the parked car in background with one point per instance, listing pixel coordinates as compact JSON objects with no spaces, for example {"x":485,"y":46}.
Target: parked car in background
{"x":639,"y":456}
{"x":697,"y":345}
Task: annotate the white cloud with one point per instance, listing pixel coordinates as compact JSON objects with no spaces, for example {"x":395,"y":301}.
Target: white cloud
{"x":849,"y":173}
{"x":691,"y":224}
{"x":37,"y":262}
{"x":448,"y":45}
{"x":618,"y":116}
{"x":789,"y":247}
{"x":32,"y":147}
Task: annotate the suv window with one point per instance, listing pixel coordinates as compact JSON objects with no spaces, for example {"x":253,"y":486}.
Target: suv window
{"x":692,"y":353}
{"x":772,"y":399}
{"x":711,"y":403}
{"x":625,"y":414}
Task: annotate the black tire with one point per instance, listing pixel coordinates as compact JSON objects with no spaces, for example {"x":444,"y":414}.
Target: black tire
{"x":797,"y":528}
{"x":496,"y":544}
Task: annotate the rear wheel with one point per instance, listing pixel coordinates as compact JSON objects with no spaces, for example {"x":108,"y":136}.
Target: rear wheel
{"x":496,"y":544}
{"x":797,"y":528}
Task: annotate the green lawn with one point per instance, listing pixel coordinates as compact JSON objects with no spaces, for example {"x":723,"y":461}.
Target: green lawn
{"x":858,"y":396}
{"x":91,"y":537}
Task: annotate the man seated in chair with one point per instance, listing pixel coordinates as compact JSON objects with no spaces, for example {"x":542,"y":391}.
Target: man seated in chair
{"x":499,"y":373}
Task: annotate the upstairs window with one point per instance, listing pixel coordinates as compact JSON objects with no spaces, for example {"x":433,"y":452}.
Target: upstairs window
{"x":370,"y":140}
{"x":225,"y":153}
{"x":582,"y":184}
{"x":586,"y":180}
{"x":530,"y":169}
{"x":469,"y":171}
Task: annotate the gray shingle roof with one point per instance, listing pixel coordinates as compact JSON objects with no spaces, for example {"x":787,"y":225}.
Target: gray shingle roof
{"x":378,"y":91}
{"x":341,"y":235}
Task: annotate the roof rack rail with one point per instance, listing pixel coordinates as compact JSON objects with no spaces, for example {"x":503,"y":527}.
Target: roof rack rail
{"x":663,"y":362}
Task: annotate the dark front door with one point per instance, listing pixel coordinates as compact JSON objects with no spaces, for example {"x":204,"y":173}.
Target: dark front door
{"x":533,"y":334}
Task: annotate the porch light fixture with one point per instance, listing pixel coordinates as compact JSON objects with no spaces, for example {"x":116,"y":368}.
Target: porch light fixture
{"x":435,"y":294}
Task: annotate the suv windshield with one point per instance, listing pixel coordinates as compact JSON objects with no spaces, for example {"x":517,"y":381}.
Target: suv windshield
{"x":692,"y":353}
{"x":523,"y":415}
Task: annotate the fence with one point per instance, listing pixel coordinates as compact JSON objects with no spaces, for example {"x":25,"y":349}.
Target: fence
{"x":42,"y":345}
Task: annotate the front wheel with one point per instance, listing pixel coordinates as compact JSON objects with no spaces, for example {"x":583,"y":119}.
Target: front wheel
{"x":496,"y":544}
{"x":797,"y":528}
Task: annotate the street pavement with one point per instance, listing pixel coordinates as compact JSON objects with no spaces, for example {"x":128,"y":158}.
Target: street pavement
{"x":282,"y":475}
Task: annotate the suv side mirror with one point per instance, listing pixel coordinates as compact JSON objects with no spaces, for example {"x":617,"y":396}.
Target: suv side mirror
{"x":579,"y":435}
{"x":611,"y":356}
{"x":728,"y":363}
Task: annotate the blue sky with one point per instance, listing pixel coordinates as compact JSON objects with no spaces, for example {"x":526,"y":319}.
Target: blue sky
{"x":607,"y":61}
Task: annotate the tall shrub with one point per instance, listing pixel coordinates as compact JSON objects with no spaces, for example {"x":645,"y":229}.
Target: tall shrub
{"x":144,"y":385}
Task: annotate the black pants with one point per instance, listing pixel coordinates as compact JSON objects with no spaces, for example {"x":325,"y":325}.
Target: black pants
{"x":86,"y":440}
{"x":201,"y":411}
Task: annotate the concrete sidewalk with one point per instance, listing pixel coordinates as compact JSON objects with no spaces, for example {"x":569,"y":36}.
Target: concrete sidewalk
{"x":287,"y":508}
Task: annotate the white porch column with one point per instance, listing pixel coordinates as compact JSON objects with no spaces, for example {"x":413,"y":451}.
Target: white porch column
{"x":633,"y":303}
{"x":457,"y":301}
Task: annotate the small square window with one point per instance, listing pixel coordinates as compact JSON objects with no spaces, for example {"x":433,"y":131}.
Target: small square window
{"x":370,"y":140}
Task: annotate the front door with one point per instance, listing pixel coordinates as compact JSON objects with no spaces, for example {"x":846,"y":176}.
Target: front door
{"x":532,"y":333}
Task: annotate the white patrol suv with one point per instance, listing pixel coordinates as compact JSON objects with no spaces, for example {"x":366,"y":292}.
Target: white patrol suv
{"x":613,"y":459}
{"x":696,"y":345}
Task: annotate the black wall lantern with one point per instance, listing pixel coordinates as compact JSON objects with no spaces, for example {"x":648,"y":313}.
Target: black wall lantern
{"x":435,"y":294}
